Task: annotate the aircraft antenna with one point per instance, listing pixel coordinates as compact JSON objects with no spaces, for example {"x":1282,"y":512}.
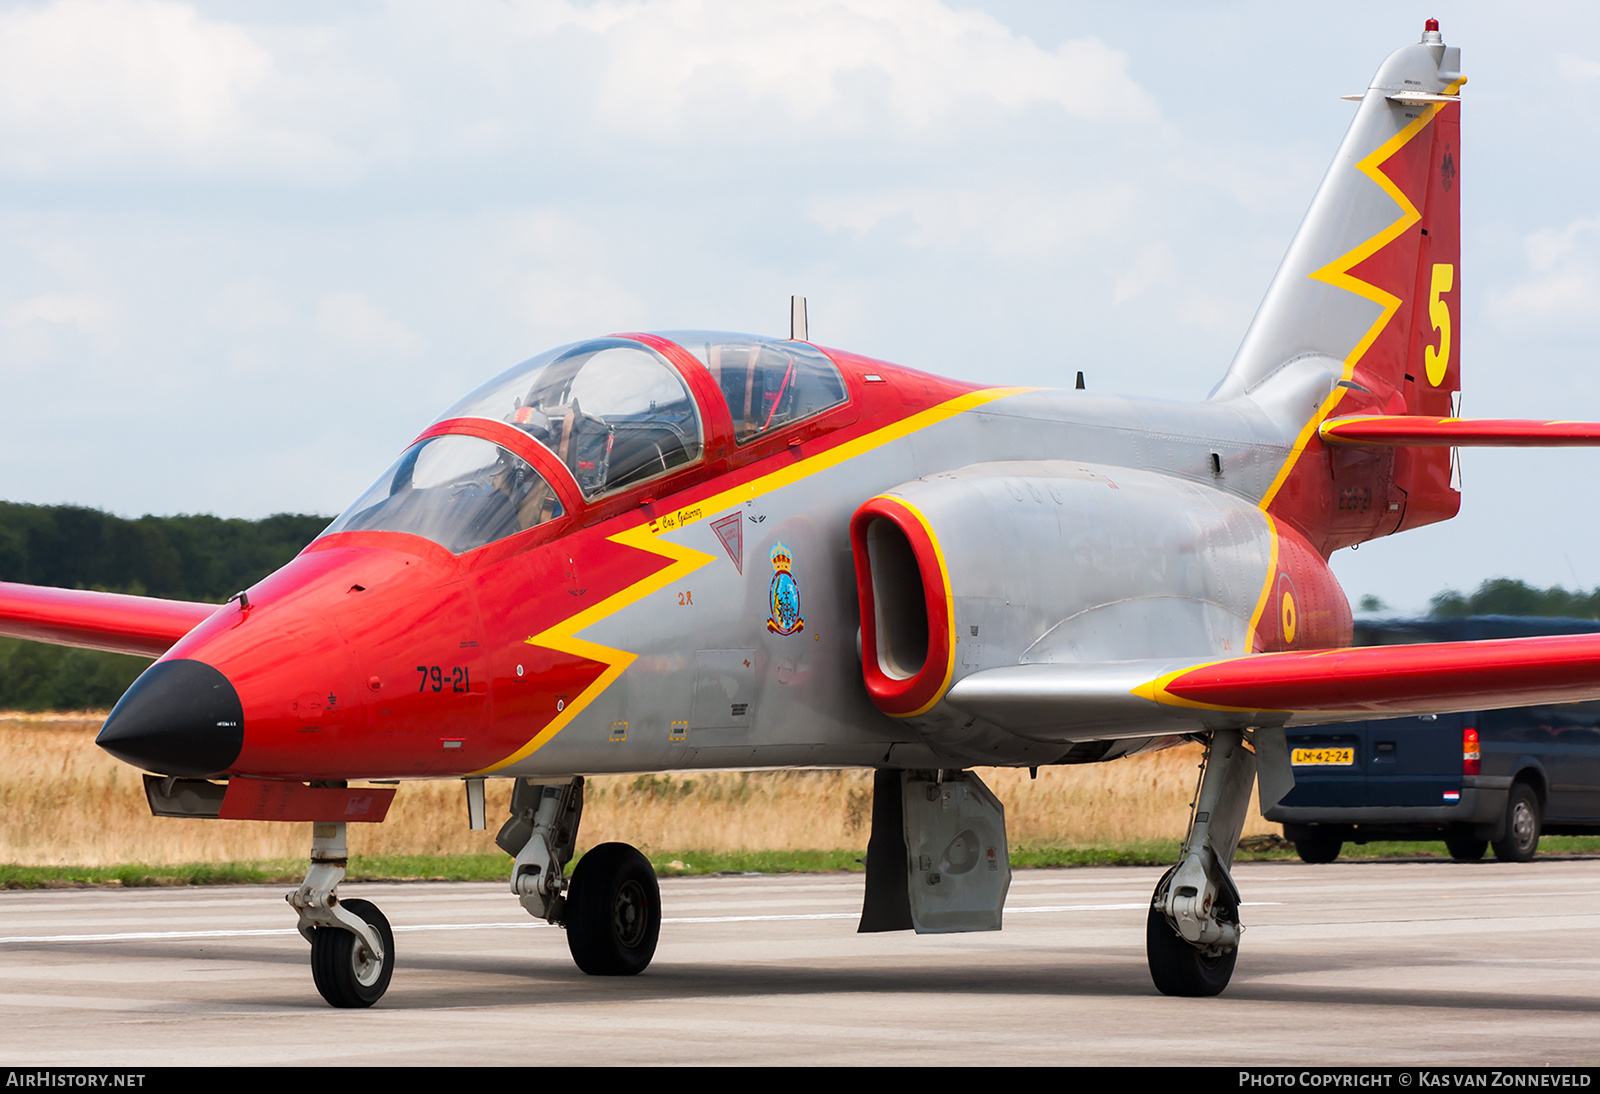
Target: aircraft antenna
{"x":797,"y":319}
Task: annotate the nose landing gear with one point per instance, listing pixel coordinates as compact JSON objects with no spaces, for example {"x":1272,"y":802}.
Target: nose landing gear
{"x":352,"y":947}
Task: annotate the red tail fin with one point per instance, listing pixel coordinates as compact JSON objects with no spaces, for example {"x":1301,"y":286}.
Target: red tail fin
{"x":1367,"y":303}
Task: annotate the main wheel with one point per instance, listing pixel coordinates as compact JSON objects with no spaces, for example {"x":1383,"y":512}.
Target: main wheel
{"x":1318,"y":849}
{"x":613,"y":911}
{"x":346,"y":972}
{"x":1177,"y":967}
{"x":1522,"y":826}
{"x":1466,"y":849}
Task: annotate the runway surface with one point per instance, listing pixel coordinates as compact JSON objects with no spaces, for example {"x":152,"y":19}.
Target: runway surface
{"x":1350,"y":963}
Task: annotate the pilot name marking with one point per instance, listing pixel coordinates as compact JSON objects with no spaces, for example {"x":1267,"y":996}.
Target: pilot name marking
{"x":669,"y":521}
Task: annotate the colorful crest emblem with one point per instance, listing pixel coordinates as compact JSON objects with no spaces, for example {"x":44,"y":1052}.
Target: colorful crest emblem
{"x":784,"y":597}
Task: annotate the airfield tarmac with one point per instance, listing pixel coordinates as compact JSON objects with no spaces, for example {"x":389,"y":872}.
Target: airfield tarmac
{"x":1350,"y":963}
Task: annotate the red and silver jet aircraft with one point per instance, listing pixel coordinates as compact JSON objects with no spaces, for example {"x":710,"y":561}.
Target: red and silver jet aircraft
{"x":701,"y":550}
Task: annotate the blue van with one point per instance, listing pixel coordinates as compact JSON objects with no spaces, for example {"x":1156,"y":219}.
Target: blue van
{"x":1496,"y":778}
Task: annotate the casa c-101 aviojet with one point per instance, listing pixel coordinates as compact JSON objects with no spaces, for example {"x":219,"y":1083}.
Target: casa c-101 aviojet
{"x":698,"y":550}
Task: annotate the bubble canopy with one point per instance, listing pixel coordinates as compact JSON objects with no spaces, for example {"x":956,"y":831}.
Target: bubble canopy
{"x":614,"y":412}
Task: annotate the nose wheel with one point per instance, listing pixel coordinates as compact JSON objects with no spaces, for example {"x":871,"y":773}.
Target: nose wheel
{"x":352,"y":945}
{"x":613,"y":911}
{"x":346,"y":971}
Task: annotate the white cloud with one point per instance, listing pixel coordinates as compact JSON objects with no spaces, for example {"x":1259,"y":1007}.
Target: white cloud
{"x":929,"y":58}
{"x":1153,"y":266}
{"x":1211,"y":311}
{"x":159,"y":87}
{"x":555,"y":273}
{"x":1564,"y":277}
{"x":60,"y":308}
{"x":150,"y":83}
{"x":1577,"y":69}
{"x":252,"y":304}
{"x":36,"y":329}
{"x":350,"y":319}
{"x":1011,"y":221}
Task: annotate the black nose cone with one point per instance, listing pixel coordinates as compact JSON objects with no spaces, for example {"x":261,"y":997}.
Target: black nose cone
{"x":179,"y":718}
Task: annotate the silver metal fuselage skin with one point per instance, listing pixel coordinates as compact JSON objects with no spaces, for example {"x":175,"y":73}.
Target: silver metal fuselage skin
{"x":1076,"y":528}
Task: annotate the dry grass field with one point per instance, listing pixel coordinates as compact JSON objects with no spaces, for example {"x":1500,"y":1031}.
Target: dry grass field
{"x":64,"y":802}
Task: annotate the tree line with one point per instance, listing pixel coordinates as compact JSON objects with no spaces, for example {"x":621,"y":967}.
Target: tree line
{"x":202,"y":558}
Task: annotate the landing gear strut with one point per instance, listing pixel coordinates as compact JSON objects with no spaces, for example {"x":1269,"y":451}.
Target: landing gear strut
{"x":352,"y":947}
{"x":1192,"y":932}
{"x":611,"y":906}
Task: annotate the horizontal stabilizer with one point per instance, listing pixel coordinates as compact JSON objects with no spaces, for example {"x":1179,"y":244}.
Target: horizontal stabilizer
{"x":1414,"y":429}
{"x":1066,"y":702}
{"x":116,"y":622}
{"x":1420,"y":98}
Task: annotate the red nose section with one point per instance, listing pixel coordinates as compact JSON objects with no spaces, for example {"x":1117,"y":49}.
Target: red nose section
{"x":354,"y":662}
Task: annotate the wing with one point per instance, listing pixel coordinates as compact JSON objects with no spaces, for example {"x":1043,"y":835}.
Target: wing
{"x":1078,"y":701}
{"x":142,"y":625}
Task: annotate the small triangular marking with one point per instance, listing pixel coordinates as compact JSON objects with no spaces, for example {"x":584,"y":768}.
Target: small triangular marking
{"x":730,"y":530}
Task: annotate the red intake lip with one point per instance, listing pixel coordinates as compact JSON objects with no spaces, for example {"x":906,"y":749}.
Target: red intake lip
{"x":902,"y":693}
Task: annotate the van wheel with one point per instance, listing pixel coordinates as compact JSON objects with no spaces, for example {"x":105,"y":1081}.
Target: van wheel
{"x":1463,"y":849}
{"x":1521,"y":840}
{"x":1319,"y":849}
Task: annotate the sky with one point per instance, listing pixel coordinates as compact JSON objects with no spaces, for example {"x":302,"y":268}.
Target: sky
{"x":248,"y":250}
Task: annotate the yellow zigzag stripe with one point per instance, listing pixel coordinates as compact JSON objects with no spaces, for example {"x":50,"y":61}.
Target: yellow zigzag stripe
{"x":1337,"y":273}
{"x":646,"y":536}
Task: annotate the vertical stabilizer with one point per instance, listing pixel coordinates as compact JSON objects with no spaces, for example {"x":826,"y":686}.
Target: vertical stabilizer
{"x":1363,"y":314}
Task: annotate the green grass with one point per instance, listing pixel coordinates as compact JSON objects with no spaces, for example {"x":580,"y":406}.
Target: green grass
{"x":495,"y":867}
{"x":140,"y":876}
{"x":1548,"y":845}
{"x":1161,"y":852}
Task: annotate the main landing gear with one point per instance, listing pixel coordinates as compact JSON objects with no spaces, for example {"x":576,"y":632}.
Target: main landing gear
{"x":352,"y":947}
{"x":1192,"y":931}
{"x":611,"y":906}
{"x":613,"y":911}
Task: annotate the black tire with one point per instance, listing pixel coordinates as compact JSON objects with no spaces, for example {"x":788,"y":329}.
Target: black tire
{"x":1176,"y":967}
{"x":613,"y":911}
{"x":340,"y":965}
{"x":1318,"y":849}
{"x":1466,"y":849}
{"x":1521,"y":841}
